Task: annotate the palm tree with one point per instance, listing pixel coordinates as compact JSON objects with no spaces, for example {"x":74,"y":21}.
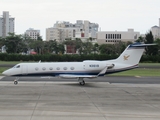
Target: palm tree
{"x":61,"y":48}
{"x":140,"y":39}
{"x":95,"y":48}
{"x":87,"y":47}
{"x":71,"y":44}
{"x":14,"y":43}
{"x":151,"y":50}
{"x":79,"y":45}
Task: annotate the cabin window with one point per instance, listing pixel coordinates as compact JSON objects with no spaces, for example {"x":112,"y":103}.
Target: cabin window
{"x":58,"y":68}
{"x":36,"y":68}
{"x":72,"y":68}
{"x":65,"y":68}
{"x":43,"y":68}
{"x":51,"y":68}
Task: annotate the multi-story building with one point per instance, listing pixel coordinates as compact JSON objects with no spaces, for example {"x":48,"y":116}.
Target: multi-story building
{"x":59,"y":34}
{"x":156,"y":31}
{"x":111,"y":37}
{"x":6,"y":24}
{"x":63,"y":30}
{"x":33,"y":34}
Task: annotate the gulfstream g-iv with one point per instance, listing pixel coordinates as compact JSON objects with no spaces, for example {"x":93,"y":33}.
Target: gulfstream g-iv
{"x":129,"y":59}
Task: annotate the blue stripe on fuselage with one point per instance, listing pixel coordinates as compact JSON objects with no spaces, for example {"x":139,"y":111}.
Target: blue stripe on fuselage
{"x":57,"y":74}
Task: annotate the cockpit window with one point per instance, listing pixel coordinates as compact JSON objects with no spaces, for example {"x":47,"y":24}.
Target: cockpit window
{"x":16,"y":66}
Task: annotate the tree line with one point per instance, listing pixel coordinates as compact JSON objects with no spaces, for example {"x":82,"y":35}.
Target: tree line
{"x":21,"y":43}
{"x":16,"y":44}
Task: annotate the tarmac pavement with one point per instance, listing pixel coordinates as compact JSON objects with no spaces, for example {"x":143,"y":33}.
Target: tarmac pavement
{"x":67,"y":100}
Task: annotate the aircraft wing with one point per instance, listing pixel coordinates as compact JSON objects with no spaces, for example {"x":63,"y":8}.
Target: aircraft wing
{"x":76,"y":76}
{"x":102,"y":72}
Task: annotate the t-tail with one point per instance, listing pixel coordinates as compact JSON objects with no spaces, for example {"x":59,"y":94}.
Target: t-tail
{"x":132,"y":54}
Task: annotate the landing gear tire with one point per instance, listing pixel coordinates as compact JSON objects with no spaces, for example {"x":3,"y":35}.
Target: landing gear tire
{"x":15,"y":82}
{"x":82,"y":83}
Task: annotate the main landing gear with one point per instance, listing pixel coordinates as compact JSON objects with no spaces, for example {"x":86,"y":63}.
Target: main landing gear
{"x":16,"y":81}
{"x":81,"y":81}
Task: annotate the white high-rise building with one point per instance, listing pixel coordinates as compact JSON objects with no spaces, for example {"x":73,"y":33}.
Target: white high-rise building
{"x":60,"y":34}
{"x":6,"y":24}
{"x":156,"y":31}
{"x":33,"y":34}
{"x":63,"y":30}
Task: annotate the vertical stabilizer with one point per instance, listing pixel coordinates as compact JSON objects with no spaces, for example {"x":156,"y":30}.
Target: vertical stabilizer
{"x":132,"y":54}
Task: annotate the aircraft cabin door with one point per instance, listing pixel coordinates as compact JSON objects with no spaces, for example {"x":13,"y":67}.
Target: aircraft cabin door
{"x":24,"y":70}
{"x":84,"y":66}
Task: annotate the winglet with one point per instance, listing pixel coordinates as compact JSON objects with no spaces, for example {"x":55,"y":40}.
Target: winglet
{"x":103,"y":71}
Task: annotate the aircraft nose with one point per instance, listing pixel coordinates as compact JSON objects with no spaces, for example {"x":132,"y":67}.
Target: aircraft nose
{"x":5,"y":73}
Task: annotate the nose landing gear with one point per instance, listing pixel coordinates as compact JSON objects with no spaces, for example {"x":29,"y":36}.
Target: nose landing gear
{"x":16,"y":81}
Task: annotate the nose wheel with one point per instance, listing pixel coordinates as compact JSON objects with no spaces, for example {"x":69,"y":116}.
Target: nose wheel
{"x":16,"y":81}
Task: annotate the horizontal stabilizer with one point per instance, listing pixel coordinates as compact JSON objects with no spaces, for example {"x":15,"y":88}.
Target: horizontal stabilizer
{"x":141,"y":45}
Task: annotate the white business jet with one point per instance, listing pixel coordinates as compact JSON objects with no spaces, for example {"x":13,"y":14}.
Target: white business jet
{"x":129,"y":59}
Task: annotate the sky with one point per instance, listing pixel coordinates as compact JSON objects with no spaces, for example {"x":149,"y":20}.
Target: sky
{"x":111,"y":15}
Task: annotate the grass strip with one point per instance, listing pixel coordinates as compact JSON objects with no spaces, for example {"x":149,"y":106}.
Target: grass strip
{"x":13,"y":62}
{"x":3,"y":69}
{"x":139,"y":72}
